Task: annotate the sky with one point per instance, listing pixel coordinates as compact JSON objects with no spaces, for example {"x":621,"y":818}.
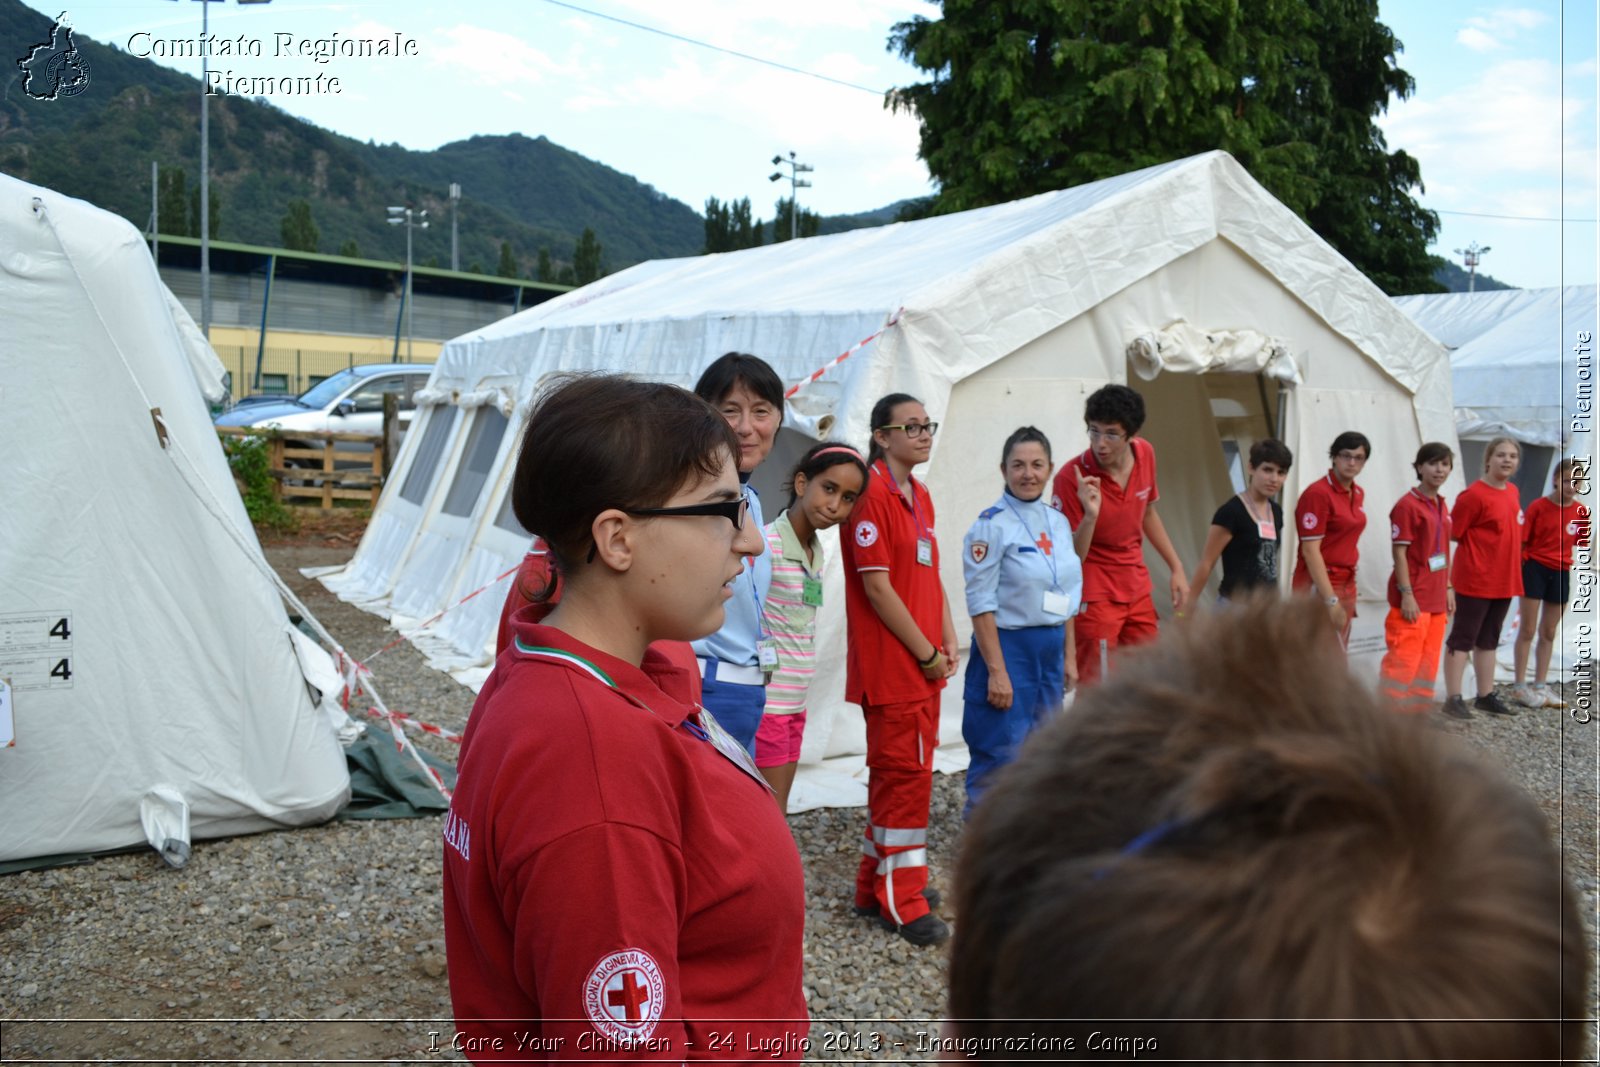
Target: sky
{"x":1503,"y":119}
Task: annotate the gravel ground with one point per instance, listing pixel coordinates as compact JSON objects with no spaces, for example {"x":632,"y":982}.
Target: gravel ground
{"x":325,"y":944}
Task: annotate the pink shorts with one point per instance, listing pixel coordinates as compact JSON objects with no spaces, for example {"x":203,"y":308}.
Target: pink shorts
{"x":778,"y":739}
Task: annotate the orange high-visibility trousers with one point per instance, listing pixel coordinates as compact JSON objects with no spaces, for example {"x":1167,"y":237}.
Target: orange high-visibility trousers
{"x":1412,"y":661}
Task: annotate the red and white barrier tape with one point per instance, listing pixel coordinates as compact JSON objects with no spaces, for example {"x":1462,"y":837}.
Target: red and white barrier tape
{"x":416,"y":724}
{"x":840,"y":358}
{"x":403,"y":638}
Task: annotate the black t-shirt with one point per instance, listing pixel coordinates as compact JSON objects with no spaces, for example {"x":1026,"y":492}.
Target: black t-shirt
{"x":1248,"y":561}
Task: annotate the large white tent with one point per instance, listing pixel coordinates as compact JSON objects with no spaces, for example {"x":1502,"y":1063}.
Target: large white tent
{"x":1229,"y":314}
{"x":153,"y":677}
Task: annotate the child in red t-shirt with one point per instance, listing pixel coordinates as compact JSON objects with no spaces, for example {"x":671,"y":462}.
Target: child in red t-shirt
{"x":1420,"y":597}
{"x":1486,"y":525}
{"x":1555,"y":524}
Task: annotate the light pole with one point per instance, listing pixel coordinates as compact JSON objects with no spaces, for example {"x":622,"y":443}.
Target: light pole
{"x":1471,"y":255}
{"x":796,"y":183}
{"x":404,"y":216}
{"x":205,"y":165}
{"x":455,"y":201}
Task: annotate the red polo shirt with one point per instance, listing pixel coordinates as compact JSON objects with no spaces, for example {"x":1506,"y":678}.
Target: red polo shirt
{"x":1114,"y":567}
{"x":1551,"y":532}
{"x":1423,"y":526}
{"x":881,"y":534}
{"x":615,"y":887}
{"x":1486,"y":524}
{"x":1327,"y":513}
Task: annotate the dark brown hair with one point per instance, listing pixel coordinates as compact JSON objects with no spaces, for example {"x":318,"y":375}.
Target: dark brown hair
{"x":1432,"y":452}
{"x":882,"y":412}
{"x":603,"y":441}
{"x":1271,"y":450}
{"x":1231,"y":829}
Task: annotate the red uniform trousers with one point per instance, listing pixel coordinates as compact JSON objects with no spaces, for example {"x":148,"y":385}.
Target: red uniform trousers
{"x":894,"y":861}
{"x":1412,"y":661}
{"x":1117,"y":623}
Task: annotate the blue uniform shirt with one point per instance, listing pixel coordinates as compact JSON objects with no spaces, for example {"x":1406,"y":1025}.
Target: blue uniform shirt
{"x":735,"y":643}
{"x":1016,"y":551}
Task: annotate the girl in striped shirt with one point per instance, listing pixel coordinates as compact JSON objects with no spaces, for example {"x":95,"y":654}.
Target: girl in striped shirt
{"x":824,"y":488}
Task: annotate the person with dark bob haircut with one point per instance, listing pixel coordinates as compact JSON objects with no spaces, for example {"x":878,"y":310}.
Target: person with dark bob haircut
{"x":1232,"y":852}
{"x":1420,"y":598}
{"x":1247,"y":529}
{"x":737,"y":661}
{"x":1109,"y":495}
{"x":617,"y":880}
{"x":1331,"y":517}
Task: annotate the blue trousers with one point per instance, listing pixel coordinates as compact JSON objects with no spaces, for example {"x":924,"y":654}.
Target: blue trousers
{"x":1036,"y":662}
{"x":738,"y":708}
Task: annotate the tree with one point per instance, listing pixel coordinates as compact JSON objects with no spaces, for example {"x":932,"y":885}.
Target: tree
{"x":350,"y":248}
{"x":214,"y":211}
{"x":586,"y":258}
{"x":546,"y":273}
{"x":299,"y":232}
{"x":172,"y":216}
{"x":783,"y":226}
{"x":730,"y":226}
{"x":1033,"y":95}
{"x":507,"y":267}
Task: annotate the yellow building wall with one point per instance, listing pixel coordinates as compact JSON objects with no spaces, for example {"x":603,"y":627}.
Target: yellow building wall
{"x":293,"y":362}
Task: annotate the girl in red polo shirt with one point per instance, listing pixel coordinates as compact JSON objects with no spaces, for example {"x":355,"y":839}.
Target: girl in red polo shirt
{"x":1556,"y":524}
{"x":1420,"y":598}
{"x":902,"y":648}
{"x":1330,"y":518}
{"x":1486,"y":525}
{"x":617,"y":881}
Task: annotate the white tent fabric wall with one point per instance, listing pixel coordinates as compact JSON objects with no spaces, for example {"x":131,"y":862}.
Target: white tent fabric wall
{"x":1515,"y":369}
{"x":179,"y":669}
{"x":1003,"y":316}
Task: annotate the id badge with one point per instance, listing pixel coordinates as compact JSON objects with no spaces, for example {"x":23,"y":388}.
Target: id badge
{"x":1437,"y":561}
{"x":1266,"y":530}
{"x":925,"y":551}
{"x":811,"y":591}
{"x":767,"y":654}
{"x":1057,"y":603}
{"x":724,"y":743}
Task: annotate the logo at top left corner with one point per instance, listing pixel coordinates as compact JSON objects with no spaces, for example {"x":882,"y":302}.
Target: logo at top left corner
{"x":55,"y":68}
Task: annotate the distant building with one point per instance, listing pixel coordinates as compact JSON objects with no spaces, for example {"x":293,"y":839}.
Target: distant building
{"x":296,"y":317}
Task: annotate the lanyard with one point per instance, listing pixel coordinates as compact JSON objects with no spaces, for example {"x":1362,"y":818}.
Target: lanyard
{"x":1055,"y":579}
{"x":916,"y":516}
{"x":750,"y":572}
{"x":1438,"y":526}
{"x":1244,"y":498}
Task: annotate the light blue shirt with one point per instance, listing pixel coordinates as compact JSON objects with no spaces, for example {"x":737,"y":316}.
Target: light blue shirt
{"x":735,"y":643}
{"x":1014,"y":553}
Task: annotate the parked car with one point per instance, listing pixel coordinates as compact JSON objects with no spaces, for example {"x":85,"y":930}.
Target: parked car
{"x":348,"y":402}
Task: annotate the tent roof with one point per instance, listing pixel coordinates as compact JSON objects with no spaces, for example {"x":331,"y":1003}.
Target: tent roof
{"x":974,"y":286}
{"x":1509,"y":348}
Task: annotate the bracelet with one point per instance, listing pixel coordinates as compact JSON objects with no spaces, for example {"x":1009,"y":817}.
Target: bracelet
{"x":931,"y":660}
{"x":1403,"y":588}
{"x":1330,"y":601}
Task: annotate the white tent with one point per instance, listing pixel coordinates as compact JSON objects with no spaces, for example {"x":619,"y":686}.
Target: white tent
{"x":153,"y":675}
{"x":1520,"y":367}
{"x":1242,"y":322}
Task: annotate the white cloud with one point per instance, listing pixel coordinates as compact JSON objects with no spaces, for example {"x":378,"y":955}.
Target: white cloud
{"x":495,"y":57}
{"x":1487,"y":33}
{"x":1477,"y":39}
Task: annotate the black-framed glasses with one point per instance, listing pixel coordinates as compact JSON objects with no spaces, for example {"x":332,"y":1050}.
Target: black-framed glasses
{"x":1351,"y":457}
{"x":915,"y":429}
{"x":732,"y":510}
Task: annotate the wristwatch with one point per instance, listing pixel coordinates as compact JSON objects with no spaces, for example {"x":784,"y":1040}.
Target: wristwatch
{"x":1331,"y":601}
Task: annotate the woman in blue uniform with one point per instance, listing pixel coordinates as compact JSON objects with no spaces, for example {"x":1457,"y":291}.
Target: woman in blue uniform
{"x":1024,"y":584}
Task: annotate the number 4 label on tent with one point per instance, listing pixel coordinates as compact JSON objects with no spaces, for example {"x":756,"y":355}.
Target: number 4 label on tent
{"x":36,"y":650}
{"x":8,"y":731}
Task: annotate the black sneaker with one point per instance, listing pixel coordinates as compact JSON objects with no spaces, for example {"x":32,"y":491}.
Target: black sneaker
{"x":928,"y":930}
{"x":1493,"y":704}
{"x":872,"y":911}
{"x":1456,"y":708}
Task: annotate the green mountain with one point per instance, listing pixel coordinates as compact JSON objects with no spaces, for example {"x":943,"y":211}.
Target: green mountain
{"x":1453,"y":276}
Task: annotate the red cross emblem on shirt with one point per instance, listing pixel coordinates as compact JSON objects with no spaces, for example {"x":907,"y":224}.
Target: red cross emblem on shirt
{"x":629,"y":997}
{"x":1044,"y":542}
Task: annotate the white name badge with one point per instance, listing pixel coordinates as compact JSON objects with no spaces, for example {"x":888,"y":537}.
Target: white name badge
{"x":1057,"y":603}
{"x":767,"y":654}
{"x":925,"y":551}
{"x":1437,"y":561}
{"x":1266,"y":530}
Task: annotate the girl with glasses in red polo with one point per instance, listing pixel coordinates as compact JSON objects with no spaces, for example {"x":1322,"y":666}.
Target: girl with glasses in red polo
{"x":617,"y":880}
{"x":1330,"y":517}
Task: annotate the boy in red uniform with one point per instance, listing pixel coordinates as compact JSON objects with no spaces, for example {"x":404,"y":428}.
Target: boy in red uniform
{"x":1330,"y":519}
{"x":1420,"y":598}
{"x":1486,"y":525}
{"x":1109,"y":495}
{"x":1556,"y":524}
{"x":902,"y":648}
